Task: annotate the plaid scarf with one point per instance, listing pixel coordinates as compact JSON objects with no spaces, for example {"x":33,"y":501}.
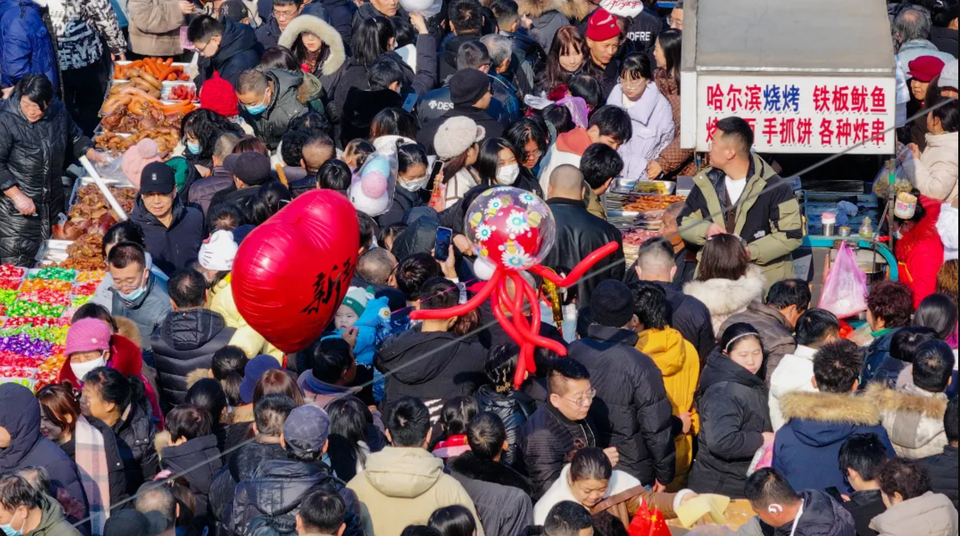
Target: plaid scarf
{"x":91,"y":459}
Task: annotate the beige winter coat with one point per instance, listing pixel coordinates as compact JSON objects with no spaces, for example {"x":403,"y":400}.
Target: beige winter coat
{"x":935,"y":172}
{"x":931,"y":514}
{"x":403,"y":486}
{"x":725,"y":298}
{"x":913,"y":420}
{"x":155,"y":27}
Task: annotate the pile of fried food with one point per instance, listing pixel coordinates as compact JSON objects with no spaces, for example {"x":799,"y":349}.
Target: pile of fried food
{"x":130,"y":110}
{"x":650,"y":203}
{"x":159,"y":69}
{"x":89,"y":219}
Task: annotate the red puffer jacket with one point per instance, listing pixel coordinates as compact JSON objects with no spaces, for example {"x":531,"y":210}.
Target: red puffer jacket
{"x":920,"y":253}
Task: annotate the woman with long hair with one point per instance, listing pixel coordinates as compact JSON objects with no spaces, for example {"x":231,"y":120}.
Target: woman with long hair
{"x":498,"y":165}
{"x":101,"y":469}
{"x":530,"y":139}
{"x":565,"y":59}
{"x":673,"y":161}
{"x":199,"y":133}
{"x":316,"y":45}
{"x":353,"y":436}
{"x":392,"y":127}
{"x":726,"y":281}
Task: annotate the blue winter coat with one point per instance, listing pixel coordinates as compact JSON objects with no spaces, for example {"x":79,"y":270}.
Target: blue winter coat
{"x":807,"y":448}
{"x":25,"y":45}
{"x":879,"y":366}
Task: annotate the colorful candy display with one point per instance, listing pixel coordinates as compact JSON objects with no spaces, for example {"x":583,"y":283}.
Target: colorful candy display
{"x":35,"y":311}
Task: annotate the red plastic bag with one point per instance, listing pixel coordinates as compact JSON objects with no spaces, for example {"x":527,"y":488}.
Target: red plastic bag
{"x":845,"y":291}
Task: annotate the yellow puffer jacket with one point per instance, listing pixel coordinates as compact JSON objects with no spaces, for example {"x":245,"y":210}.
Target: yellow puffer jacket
{"x":677,"y":359}
{"x":246,"y":338}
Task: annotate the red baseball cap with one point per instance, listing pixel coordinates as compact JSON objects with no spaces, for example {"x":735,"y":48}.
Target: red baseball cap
{"x":925,"y":68}
{"x":602,"y":26}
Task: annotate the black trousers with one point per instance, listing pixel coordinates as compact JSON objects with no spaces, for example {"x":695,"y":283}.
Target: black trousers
{"x":84,"y":90}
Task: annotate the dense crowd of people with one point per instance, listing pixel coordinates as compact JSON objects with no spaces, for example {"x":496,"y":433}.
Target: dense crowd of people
{"x":702,"y":368}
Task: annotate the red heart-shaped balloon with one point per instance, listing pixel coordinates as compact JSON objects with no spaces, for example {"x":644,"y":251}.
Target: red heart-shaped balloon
{"x":293,"y":271}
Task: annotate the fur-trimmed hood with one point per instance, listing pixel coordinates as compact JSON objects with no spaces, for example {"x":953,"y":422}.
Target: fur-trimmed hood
{"x":196,"y":375}
{"x":337,"y":55}
{"x":913,"y":420}
{"x":886,"y":399}
{"x":128,"y":328}
{"x":575,"y":10}
{"x":830,"y":408}
{"x":724,"y":297}
{"x":491,"y":472}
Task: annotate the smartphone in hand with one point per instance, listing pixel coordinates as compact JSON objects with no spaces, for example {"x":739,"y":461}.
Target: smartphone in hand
{"x":441,"y":251}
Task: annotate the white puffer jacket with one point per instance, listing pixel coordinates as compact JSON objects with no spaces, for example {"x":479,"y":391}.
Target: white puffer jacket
{"x":935,"y":172}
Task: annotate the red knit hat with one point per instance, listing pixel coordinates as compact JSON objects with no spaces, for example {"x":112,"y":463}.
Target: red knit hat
{"x":602,"y":26}
{"x":217,"y":95}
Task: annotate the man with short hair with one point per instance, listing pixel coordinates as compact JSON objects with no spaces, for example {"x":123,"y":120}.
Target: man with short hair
{"x":270,"y":102}
{"x":676,"y":16}
{"x":466,"y":24}
{"x":377,"y":266}
{"x":379,"y":8}
{"x":913,"y":415}
{"x":187,"y":338}
{"x":779,"y":507}
{"x":656,"y":264}
{"x":202,"y":191}
{"x":776,"y":319}
{"x":471,"y":95}
{"x":29,"y":512}
{"x":600,"y":165}
{"x":579,"y":233}
{"x":413,"y":273}
{"x":860,"y":459}
{"x":172,"y":231}
{"x":160,"y":507}
{"x":559,"y":427}
{"x":138,"y":294}
{"x":609,"y":125}
{"x":305,"y":439}
{"x":911,"y":33}
{"x":284,"y":11}
{"x":635,"y":413}
{"x":568,"y":518}
{"x":807,"y":447}
{"x":330,"y":371}
{"x":501,"y":495}
{"x":269,"y":414}
{"x":322,"y":513}
{"x":815,"y":329}
{"x":528,"y":56}
{"x":504,"y":92}
{"x":942,"y":468}
{"x":225,"y":47}
{"x":249,"y":170}
{"x":741,"y":194}
{"x":404,"y":484}
{"x":317,"y":150}
{"x":435,"y":104}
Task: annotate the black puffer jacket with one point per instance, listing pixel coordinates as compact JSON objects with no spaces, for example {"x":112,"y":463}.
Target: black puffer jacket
{"x":135,"y":434}
{"x":173,"y":248}
{"x":548,"y":441}
{"x":500,"y":494}
{"x":403,"y":201}
{"x":33,"y":157}
{"x":942,"y":469}
{"x":733,"y":417}
{"x":186,"y":341}
{"x":632,"y":411}
{"x":579,"y":234}
{"x":198,"y":460}
{"x":118,"y":479}
{"x":267,"y":503}
{"x":435,"y":366}
{"x":822,"y":516}
{"x":284,"y":107}
{"x":513,"y":411}
{"x":239,"y":51}
{"x":687,"y":315}
{"x":242,"y":464}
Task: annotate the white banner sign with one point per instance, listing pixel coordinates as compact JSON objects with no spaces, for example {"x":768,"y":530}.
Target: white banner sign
{"x":801,"y":114}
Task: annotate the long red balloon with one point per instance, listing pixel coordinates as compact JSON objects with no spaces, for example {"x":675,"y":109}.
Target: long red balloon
{"x":460,"y":310}
{"x":582,"y":268}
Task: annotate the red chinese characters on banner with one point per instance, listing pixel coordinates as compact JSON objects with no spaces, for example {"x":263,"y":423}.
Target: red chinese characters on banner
{"x":843,"y":114}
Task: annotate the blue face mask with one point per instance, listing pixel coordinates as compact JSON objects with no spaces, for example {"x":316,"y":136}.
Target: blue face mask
{"x":8,"y":530}
{"x":133,"y":296}
{"x":257,"y":109}
{"x":193,"y":148}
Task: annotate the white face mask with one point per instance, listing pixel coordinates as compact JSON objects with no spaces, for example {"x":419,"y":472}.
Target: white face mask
{"x":82,"y":369}
{"x":507,"y":175}
{"x":416,"y":184}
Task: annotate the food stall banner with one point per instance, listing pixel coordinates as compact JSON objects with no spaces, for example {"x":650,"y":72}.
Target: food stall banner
{"x":797,"y":114}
